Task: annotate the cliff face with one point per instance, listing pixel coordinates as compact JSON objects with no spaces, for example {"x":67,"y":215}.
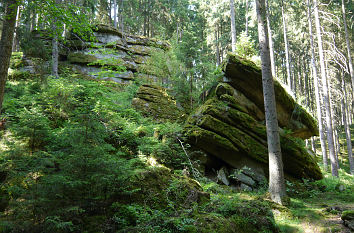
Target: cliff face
{"x":230,"y":124}
{"x":112,"y":50}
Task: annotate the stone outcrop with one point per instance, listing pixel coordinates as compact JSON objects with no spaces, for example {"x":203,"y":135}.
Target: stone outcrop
{"x":246,"y":78}
{"x":230,"y":124}
{"x":123,"y":54}
{"x":154,"y":101}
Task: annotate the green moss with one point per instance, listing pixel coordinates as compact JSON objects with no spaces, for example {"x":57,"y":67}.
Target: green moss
{"x":158,"y":188}
{"x":348,"y":215}
{"x":154,"y":101}
{"x":81,"y":58}
{"x":231,"y":57}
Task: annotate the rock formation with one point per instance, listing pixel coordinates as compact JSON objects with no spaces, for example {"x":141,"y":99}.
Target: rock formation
{"x":230,"y":124}
{"x":111,"y":50}
{"x":154,"y":101}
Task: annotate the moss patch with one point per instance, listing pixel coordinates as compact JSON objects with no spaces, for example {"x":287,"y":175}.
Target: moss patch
{"x":154,"y":101}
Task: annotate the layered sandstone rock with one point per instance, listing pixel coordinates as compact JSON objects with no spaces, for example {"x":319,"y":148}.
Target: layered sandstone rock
{"x":230,"y":124}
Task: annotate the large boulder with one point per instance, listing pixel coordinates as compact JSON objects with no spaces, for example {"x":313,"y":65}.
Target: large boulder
{"x":230,"y":125}
{"x":154,"y":101}
{"x":246,"y":78}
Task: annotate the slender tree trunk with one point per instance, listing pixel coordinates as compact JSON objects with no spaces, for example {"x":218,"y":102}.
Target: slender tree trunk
{"x":348,"y":45}
{"x":55,"y":49}
{"x":317,"y":91}
{"x":346,"y":127}
{"x":233,"y":25}
{"x":7,"y":36}
{"x":121,"y":18}
{"x":246,"y":16}
{"x":15,"y":40}
{"x":271,"y":47}
{"x":276,"y":173}
{"x":326,"y":98}
{"x":217,"y":45}
{"x":313,"y":146}
{"x":286,"y":43}
{"x":115,"y":13}
{"x":335,"y":145}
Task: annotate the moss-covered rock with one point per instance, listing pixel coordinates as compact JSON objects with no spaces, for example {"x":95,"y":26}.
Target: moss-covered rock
{"x":224,"y":128}
{"x":154,"y":101}
{"x":81,"y":58}
{"x":158,"y":188}
{"x":113,"y":48}
{"x":246,"y":77}
{"x":348,"y":215}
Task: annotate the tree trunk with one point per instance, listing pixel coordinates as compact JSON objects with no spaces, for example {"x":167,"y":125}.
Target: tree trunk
{"x":348,"y":45}
{"x":7,"y":37}
{"x":121,"y":18}
{"x":55,"y":49}
{"x":217,"y":45}
{"x":317,"y":91}
{"x":246,"y":17}
{"x":326,"y":98}
{"x":271,"y":47}
{"x":286,"y":43}
{"x":15,"y":42}
{"x":233,"y":25}
{"x":346,"y":127}
{"x":276,"y":173}
{"x":115,"y":13}
{"x":313,"y":146}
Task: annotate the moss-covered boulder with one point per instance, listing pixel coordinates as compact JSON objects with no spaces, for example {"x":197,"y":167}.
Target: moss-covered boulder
{"x":246,"y":77}
{"x":154,"y":101}
{"x":226,"y":128}
{"x":159,"y":187}
{"x":348,"y":219}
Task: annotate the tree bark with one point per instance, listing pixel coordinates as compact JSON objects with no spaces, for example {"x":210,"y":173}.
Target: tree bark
{"x":346,"y":128}
{"x":246,"y":17}
{"x":271,"y":47}
{"x":276,"y":173}
{"x":317,"y":91}
{"x":313,"y":146}
{"x":326,"y":98}
{"x":233,"y":25}
{"x":115,"y":13}
{"x":217,"y":45}
{"x":55,"y":49}
{"x":15,"y":39}
{"x":286,"y":43}
{"x":348,"y":45}
{"x":7,"y":37}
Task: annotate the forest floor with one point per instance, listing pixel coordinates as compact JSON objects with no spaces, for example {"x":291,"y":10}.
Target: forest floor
{"x":313,"y":211}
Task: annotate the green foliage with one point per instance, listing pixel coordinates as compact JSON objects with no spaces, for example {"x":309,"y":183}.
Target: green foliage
{"x":245,"y":46}
{"x":34,"y":46}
